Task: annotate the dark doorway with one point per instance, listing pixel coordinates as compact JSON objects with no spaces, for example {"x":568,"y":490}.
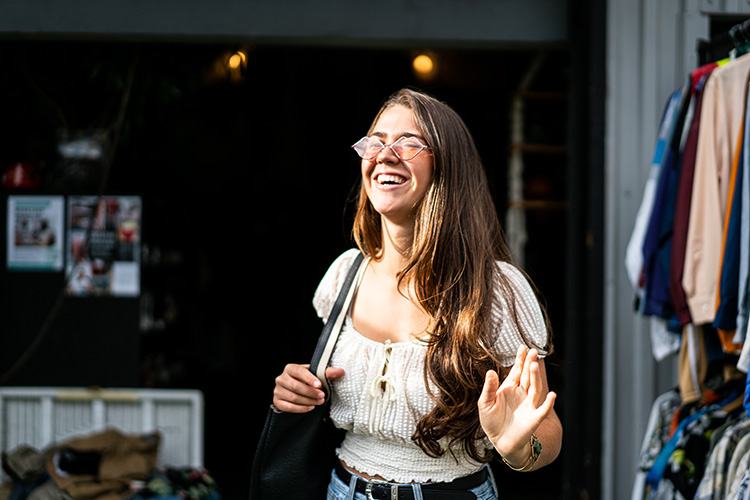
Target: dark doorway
{"x":245,"y":173}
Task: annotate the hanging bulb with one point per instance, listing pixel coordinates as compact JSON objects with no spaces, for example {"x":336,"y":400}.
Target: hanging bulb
{"x":236,"y":64}
{"x":423,"y":64}
{"x":236,"y":60}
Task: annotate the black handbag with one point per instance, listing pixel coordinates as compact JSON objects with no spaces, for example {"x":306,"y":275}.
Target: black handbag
{"x":295,"y":453}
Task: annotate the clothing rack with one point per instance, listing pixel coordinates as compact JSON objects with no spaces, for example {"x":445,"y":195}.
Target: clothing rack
{"x":722,"y":43}
{"x":699,"y":307}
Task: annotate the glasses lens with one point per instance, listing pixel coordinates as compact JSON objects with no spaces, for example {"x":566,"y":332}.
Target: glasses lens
{"x":407,"y":147}
{"x":368,"y":147}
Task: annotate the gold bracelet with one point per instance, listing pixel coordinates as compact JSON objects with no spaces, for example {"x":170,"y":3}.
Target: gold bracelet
{"x":536,"y":450}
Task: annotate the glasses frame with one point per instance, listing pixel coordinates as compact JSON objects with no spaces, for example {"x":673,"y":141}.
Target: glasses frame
{"x":360,"y":151}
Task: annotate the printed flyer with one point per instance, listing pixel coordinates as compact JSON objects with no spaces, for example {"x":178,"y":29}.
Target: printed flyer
{"x":35,"y":233}
{"x":103,"y":246}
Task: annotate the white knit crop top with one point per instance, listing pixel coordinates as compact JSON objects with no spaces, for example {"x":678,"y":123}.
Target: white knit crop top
{"x":382,"y":395}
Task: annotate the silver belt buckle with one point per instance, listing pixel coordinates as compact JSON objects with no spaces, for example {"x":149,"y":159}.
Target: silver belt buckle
{"x":379,"y":482}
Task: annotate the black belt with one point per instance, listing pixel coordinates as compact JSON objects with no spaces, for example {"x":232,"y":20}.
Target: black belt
{"x":375,"y":489}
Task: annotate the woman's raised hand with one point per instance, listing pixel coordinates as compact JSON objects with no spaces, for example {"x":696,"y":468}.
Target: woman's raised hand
{"x":298,"y":390}
{"x":512,"y":411}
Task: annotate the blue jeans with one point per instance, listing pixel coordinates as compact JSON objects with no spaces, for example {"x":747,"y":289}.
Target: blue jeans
{"x":338,"y":490}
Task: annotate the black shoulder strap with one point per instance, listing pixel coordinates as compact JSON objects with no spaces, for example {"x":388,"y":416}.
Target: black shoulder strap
{"x":328,"y":336}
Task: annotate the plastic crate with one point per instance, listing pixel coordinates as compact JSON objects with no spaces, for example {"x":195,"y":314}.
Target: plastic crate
{"x":42,"y":416}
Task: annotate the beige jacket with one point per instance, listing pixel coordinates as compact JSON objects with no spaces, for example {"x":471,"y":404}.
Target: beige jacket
{"x":721,"y":118}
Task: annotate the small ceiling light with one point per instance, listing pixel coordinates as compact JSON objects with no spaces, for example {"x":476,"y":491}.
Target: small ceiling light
{"x":423,"y":65}
{"x":236,"y":60}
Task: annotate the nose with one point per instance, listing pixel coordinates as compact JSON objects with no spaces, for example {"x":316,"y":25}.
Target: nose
{"x":387,"y":154}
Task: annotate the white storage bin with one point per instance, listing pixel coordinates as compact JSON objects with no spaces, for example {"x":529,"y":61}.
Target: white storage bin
{"x":41,"y":416}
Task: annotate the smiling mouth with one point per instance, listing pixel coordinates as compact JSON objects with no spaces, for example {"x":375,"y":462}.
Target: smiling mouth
{"x":390,"y":180}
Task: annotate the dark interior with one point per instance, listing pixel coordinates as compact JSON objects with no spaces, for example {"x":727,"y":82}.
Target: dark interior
{"x":245,"y":177}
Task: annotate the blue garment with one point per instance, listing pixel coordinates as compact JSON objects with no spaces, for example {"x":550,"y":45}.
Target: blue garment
{"x":726,"y":314}
{"x":634,"y":253}
{"x":657,"y":242}
{"x":744,"y":271}
{"x":339,"y":490}
{"x":22,"y":488}
{"x":744,"y":266}
{"x":656,"y":473}
{"x":743,"y":492}
{"x":661,"y":463}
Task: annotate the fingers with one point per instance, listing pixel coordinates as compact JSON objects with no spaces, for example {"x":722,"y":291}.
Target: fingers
{"x":548,"y":405}
{"x":334,"y":373}
{"x":530,"y":374}
{"x":534,"y":383}
{"x":489,"y":390}
{"x":543,"y":411}
{"x":510,"y":412}
{"x":514,"y":376}
{"x":525,"y":380}
{"x":527,"y":375}
{"x":520,"y":374}
{"x":297,"y":390}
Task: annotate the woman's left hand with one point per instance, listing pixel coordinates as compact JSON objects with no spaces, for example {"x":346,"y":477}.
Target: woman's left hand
{"x":512,"y":411}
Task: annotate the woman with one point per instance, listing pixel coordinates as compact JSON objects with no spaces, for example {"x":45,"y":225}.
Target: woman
{"x":439,"y":317}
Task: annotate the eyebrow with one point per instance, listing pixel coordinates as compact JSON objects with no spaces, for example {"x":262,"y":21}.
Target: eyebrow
{"x":380,"y":135}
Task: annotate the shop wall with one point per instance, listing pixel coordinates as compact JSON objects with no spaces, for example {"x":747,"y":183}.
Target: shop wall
{"x":645,"y":62}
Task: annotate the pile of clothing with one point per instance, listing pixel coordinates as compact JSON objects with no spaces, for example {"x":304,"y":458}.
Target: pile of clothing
{"x":108,"y":465}
{"x":696,"y":451}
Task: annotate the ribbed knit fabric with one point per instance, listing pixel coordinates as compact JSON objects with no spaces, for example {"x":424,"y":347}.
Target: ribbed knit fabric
{"x":382,"y":395}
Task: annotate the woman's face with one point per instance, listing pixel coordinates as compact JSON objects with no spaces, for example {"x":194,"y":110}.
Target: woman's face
{"x":394,"y":186}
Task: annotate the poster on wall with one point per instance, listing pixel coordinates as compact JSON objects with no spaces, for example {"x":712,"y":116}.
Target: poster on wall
{"x":35,"y":233}
{"x":103,"y":246}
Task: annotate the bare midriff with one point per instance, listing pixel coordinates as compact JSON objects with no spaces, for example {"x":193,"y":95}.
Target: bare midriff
{"x":362,"y":474}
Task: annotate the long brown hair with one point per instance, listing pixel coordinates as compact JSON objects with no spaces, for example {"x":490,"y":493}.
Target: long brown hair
{"x":453,"y":265}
